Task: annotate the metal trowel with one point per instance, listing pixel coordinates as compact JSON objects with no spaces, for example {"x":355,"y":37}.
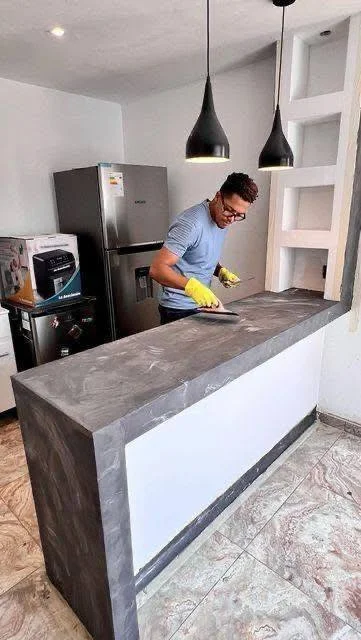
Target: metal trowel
{"x":220,"y":312}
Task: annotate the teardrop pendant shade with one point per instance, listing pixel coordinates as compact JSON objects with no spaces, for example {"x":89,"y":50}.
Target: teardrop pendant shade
{"x":277,"y":153}
{"x":283,"y":3}
{"x":207,"y":141}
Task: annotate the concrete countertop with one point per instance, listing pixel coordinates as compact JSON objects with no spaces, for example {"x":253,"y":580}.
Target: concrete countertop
{"x":145,"y":379}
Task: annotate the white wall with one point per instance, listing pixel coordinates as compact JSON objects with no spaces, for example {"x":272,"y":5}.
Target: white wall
{"x":41,"y":131}
{"x":314,"y":58}
{"x":308,"y":267}
{"x":333,"y":54}
{"x":318,"y":143}
{"x":176,"y":470}
{"x":340,"y":388}
{"x":155,"y":132}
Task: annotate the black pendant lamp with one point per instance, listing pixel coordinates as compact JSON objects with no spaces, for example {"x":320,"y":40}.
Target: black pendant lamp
{"x":207,"y":142}
{"x":277,"y":153}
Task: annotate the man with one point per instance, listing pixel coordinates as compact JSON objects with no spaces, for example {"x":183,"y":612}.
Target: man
{"x":190,"y":255}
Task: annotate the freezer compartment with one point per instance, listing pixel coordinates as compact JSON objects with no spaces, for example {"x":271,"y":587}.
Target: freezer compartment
{"x":134,"y":203}
{"x":135,"y":294}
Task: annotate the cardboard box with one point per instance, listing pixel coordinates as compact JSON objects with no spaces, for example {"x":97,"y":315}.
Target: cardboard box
{"x":40,"y":270}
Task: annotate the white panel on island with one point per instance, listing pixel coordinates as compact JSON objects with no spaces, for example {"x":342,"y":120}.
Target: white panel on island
{"x":203,"y":450}
{"x":7,"y":362}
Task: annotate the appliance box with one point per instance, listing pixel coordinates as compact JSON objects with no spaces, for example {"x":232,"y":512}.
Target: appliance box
{"x":40,"y":270}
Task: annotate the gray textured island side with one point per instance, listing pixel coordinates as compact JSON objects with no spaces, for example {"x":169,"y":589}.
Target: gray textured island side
{"x":77,"y":415}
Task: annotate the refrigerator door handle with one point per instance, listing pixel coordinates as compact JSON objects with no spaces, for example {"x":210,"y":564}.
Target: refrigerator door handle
{"x":109,"y":288}
{"x":136,"y":248}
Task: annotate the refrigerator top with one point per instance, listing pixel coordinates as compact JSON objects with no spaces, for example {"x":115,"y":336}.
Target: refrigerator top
{"x":124,"y":165}
{"x":134,"y":204}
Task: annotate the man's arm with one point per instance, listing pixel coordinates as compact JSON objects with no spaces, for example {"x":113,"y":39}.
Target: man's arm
{"x":161,"y":270}
{"x":181,"y":236}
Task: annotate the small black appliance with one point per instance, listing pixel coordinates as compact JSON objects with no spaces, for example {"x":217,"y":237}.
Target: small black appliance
{"x":43,"y":334}
{"x":52,"y":270}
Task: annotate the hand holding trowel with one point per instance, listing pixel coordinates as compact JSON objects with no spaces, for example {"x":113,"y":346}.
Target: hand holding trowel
{"x":220,"y":311}
{"x":228,"y":279}
{"x":208,"y":302}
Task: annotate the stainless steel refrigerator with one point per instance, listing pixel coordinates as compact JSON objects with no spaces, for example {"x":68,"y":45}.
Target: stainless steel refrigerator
{"x":120,"y":214}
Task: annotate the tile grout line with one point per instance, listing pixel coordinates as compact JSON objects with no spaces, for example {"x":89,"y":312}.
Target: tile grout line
{"x":216,"y":530}
{"x":277,"y":468}
{"x":16,"y":584}
{"x":336,"y":493}
{"x":306,"y":595}
{"x":6,"y":484}
{"x":22,"y":525}
{"x":246,"y":550}
{"x":353,"y":501}
{"x":232,"y":541}
{"x":339,"y":495}
{"x":291,"y":494}
{"x":206,"y":595}
{"x":283,"y":503}
{"x":15,"y":479}
{"x":255,"y":489}
{"x":259,"y":482}
{"x":242,"y":550}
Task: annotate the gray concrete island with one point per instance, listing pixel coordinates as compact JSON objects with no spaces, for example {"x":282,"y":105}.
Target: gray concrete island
{"x":78,"y":414}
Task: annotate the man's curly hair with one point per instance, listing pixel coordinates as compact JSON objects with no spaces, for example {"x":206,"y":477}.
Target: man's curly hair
{"x":242,"y":185}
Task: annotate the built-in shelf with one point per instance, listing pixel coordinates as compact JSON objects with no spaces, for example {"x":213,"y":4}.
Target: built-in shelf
{"x":303,"y":268}
{"x":306,"y":239}
{"x":310,"y":204}
{"x":316,"y":108}
{"x":309,"y":177}
{"x":321,"y":63}
{"x":308,"y":208}
{"x":315,"y":142}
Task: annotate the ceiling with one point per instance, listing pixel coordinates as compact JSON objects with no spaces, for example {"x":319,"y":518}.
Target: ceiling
{"x":121,"y":49}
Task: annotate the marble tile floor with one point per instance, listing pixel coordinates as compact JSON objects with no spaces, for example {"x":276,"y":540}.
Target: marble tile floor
{"x":30,"y":607}
{"x":282,"y":562}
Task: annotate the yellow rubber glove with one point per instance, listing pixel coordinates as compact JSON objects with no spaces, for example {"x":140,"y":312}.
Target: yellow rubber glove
{"x":227,"y":278}
{"x":203,"y":296}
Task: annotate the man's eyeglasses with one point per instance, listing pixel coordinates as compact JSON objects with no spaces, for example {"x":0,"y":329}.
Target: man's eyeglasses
{"x":238,"y":217}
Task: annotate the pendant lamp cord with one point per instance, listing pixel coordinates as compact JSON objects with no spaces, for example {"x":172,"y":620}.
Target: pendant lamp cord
{"x":281,"y":56}
{"x":207,"y":38}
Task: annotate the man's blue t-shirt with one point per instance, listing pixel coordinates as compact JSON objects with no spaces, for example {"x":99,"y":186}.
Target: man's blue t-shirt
{"x":198,"y":242}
